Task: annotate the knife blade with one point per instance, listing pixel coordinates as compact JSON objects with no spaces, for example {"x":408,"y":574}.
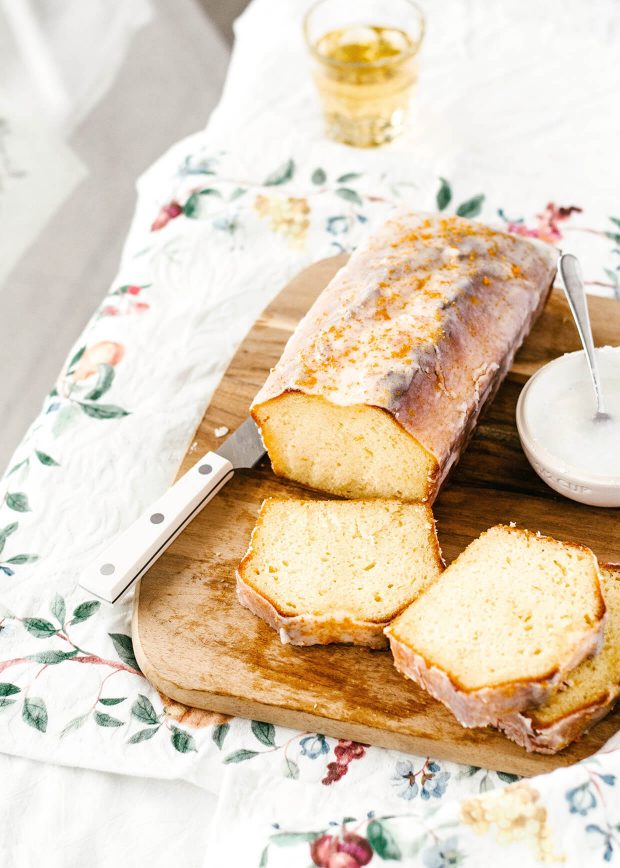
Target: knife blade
{"x":135,"y":550}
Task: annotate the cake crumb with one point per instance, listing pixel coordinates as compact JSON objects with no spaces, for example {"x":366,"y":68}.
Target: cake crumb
{"x":221,"y":432}
{"x":194,"y":446}
{"x":512,"y":524}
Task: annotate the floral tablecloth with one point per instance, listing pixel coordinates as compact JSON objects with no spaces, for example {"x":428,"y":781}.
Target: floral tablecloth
{"x":526,"y":139}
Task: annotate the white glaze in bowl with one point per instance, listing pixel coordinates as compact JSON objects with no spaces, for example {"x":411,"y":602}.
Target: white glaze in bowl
{"x":575,"y":455}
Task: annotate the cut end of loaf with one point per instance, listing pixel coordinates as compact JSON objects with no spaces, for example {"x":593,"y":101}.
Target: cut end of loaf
{"x":520,"y":609}
{"x":350,"y":451}
{"x":337,"y":571}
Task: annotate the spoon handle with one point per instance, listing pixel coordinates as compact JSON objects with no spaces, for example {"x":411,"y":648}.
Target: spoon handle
{"x":576,"y":295}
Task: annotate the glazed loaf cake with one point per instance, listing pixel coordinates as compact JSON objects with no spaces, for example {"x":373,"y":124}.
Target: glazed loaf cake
{"x":585,"y":695}
{"x":518,"y":611}
{"x":337,"y":570}
{"x":381,"y":384}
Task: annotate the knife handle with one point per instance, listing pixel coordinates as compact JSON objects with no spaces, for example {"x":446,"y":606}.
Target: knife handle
{"x":137,"y":548}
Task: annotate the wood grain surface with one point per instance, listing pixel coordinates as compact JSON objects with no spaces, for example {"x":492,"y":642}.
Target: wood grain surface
{"x":198,"y":645}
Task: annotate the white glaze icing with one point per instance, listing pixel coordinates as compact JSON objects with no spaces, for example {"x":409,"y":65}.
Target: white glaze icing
{"x":550,"y":739}
{"x":310,"y":629}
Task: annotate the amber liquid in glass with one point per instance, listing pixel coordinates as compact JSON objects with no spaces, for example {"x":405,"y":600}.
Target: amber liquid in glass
{"x":364,"y":76}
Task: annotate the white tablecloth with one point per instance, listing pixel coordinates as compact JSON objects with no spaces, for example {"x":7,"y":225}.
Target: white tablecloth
{"x":516,"y":112}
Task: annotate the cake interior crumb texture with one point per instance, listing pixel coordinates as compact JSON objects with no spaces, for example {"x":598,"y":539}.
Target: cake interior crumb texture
{"x":367,"y":559}
{"x":597,"y":679}
{"x":359,"y":448}
{"x":514,"y":606}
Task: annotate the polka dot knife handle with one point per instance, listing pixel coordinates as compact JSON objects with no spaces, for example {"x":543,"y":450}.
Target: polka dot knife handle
{"x":136,"y":549}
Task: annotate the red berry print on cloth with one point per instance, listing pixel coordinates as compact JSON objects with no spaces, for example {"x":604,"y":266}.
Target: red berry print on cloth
{"x":346,"y":850}
{"x":123,"y":300}
{"x":345,"y":751}
{"x":547,"y":226}
{"x":166,"y":214}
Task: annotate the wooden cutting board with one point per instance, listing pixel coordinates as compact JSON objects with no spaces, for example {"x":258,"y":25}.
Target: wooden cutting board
{"x":198,"y":645}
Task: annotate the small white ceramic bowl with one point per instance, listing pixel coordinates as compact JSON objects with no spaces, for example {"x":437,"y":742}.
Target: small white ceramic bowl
{"x":539,"y":415}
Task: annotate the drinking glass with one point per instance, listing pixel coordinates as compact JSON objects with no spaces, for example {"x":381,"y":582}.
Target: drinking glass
{"x":364,"y":64}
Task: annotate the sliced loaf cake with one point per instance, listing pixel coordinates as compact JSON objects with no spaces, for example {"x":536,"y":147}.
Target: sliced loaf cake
{"x":502,"y":625}
{"x":585,"y":695}
{"x":335,"y":570}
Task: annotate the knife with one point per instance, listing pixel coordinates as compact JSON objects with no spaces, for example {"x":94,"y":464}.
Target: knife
{"x":136,"y":549}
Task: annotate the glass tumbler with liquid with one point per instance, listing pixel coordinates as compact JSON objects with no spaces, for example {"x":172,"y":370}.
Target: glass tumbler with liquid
{"x":364,"y":58}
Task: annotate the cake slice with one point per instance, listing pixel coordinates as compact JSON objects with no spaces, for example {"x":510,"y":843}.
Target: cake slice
{"x":503,"y":624}
{"x":335,"y":570}
{"x":585,"y":695}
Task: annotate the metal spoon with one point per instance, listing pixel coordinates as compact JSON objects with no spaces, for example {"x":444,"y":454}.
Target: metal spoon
{"x":576,"y":294}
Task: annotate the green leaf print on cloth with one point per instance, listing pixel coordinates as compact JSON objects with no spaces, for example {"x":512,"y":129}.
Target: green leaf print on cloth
{"x":51,"y":658}
{"x":84,"y":611}
{"x":182,"y":741}
{"x":40,"y":628}
{"x":239,"y":756}
{"x":220,"y":731}
{"x":264,"y":732}
{"x":143,"y":710}
{"x":281,"y":175}
{"x":124,"y":649}
{"x":8,"y":689}
{"x":34,"y":713}
{"x":142,"y":735}
{"x":382,"y":841}
{"x":444,"y":195}
{"x":45,"y":459}
{"x":471,"y":208}
{"x":18,"y":501}
{"x":103,"y":719}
